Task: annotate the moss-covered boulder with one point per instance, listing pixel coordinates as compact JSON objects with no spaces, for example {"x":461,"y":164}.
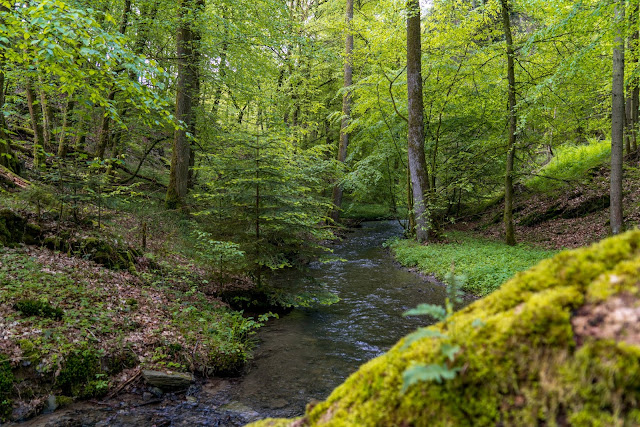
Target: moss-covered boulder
{"x":107,"y":254}
{"x":15,"y":229}
{"x":558,"y":344}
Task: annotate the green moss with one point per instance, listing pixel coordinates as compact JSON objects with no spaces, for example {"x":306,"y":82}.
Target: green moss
{"x":15,"y":229}
{"x":79,"y":373}
{"x":30,"y":307}
{"x":63,"y":401}
{"x":521,"y":366}
{"x":6,"y":384}
{"x":30,"y":350}
{"x":107,"y":254}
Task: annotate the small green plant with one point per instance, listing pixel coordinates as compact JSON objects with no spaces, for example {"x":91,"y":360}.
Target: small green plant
{"x":570,"y":163}
{"x":218,"y":253}
{"x":444,"y":371}
{"x":79,"y":373}
{"x":30,"y":307}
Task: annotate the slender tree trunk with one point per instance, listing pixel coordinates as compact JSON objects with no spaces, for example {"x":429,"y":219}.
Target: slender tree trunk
{"x":222,"y":67}
{"x":47,"y":117}
{"x":195,"y":93}
{"x":185,"y":99}
{"x":38,"y":154}
{"x":617,"y":123}
{"x":417,"y":161}
{"x":510,"y":238}
{"x":104,"y":133}
{"x":7,"y":158}
{"x":346,"y":107}
{"x":411,"y":227}
{"x":67,"y":123}
{"x":635,"y":84}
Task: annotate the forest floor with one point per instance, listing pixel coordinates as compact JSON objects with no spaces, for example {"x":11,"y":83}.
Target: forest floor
{"x":84,"y":309}
{"x":573,"y":216}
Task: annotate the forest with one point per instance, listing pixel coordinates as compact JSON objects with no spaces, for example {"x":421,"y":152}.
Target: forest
{"x":310,"y":212}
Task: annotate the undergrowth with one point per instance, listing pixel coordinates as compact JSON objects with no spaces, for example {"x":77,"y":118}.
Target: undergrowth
{"x":106,"y":312}
{"x":571,"y":163}
{"x":486,"y":263}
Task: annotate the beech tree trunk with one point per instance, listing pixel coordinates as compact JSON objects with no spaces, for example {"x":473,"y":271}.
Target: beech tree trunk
{"x":186,"y":95}
{"x":617,"y":123}
{"x":635,"y":85}
{"x":510,"y":238}
{"x":346,"y":108}
{"x":417,"y":162}
{"x":67,"y":123}
{"x":34,"y":113}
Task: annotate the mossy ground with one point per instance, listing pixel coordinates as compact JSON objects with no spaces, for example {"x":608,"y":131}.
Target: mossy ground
{"x":523,"y":358}
{"x":78,"y":324}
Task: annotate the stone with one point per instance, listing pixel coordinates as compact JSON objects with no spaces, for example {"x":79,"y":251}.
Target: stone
{"x":167,"y":381}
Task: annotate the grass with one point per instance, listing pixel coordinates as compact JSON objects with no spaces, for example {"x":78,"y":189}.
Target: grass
{"x":571,"y":163}
{"x":485,"y":263}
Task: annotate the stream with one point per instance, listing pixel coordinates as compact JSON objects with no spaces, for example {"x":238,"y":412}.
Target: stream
{"x":302,"y":356}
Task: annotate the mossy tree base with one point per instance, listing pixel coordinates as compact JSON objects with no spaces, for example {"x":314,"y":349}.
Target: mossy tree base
{"x":526,"y":356}
{"x":15,"y":229}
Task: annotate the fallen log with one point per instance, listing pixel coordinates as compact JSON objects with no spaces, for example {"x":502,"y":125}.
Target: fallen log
{"x":12,"y":179}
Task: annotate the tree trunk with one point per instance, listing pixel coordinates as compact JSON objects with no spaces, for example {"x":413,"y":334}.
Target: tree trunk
{"x":617,"y":123}
{"x":104,"y":133}
{"x":38,"y":152}
{"x":417,"y":161}
{"x":67,"y":123}
{"x":7,"y":158}
{"x":635,"y":84}
{"x":186,"y":95}
{"x":346,"y":107}
{"x":47,"y":117}
{"x":510,"y":238}
{"x":222,"y":67}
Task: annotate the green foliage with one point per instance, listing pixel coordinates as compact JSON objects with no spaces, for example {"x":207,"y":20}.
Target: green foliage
{"x":371,"y":212}
{"x":63,"y":40}
{"x":262,"y":195}
{"x":80,"y":375}
{"x":30,"y":307}
{"x":571,"y":164}
{"x":485,"y":263}
{"x":418,"y":372}
{"x":6,"y":384}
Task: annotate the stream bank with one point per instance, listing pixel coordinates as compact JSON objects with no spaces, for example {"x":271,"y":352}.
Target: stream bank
{"x":300,"y":357}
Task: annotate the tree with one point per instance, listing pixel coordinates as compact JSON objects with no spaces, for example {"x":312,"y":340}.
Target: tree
{"x":617,"y":122}
{"x":511,"y":142}
{"x":186,"y":96}
{"x":346,"y":106}
{"x":417,"y":162}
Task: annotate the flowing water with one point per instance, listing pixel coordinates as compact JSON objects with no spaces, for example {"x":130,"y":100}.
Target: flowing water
{"x":305,"y":354}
